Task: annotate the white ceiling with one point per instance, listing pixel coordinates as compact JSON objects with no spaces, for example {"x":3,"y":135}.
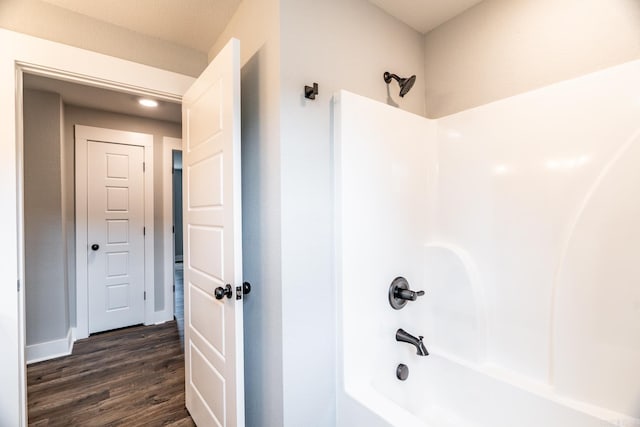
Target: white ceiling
{"x":102,"y":99}
{"x":424,"y":15}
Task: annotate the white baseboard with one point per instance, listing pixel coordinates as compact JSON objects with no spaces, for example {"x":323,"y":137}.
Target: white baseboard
{"x":50,"y":349}
{"x":77,"y":335}
{"x":163,"y":316}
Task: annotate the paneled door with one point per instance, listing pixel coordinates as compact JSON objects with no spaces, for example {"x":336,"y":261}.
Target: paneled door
{"x":213,"y":244}
{"x":115,"y":232}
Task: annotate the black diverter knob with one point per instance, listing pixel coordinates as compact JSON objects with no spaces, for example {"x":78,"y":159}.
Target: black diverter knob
{"x":402,"y":372}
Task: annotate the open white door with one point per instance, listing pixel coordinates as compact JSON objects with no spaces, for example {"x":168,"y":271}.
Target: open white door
{"x":214,"y":355}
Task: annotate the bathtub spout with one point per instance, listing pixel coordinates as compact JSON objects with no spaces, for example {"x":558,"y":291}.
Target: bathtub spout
{"x":404,"y":336}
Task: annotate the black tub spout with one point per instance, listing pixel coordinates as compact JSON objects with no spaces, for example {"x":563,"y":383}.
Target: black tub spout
{"x":404,"y":336}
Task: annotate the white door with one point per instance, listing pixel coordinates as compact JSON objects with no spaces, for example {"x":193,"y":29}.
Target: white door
{"x":213,"y":243}
{"x":115,"y":234}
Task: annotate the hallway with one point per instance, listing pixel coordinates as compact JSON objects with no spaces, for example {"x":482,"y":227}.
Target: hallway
{"x":127,"y":377}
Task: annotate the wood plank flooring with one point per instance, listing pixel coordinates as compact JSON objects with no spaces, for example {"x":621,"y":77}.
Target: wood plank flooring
{"x":128,"y":377}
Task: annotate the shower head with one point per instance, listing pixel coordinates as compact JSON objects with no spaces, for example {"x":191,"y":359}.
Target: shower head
{"x":405,"y":84}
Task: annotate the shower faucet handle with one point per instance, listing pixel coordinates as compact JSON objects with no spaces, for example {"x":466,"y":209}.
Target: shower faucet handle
{"x":408,"y":294}
{"x":399,"y":293}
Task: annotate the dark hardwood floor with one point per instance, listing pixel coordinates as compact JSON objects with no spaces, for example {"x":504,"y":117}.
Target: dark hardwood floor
{"x":127,"y":377}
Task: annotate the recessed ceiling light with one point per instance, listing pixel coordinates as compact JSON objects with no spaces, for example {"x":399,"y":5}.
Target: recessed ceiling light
{"x":148,"y":102}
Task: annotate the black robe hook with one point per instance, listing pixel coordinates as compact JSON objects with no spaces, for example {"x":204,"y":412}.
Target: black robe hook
{"x":311,"y":92}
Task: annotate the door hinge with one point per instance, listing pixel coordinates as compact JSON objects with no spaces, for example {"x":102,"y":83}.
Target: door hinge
{"x":144,"y":166}
{"x":144,"y":231}
{"x":145,"y":295}
{"x":174,"y":288}
{"x":18,"y":284}
{"x":173,"y":229}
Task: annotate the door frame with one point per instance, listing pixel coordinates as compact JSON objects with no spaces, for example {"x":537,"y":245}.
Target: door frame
{"x":22,"y":53}
{"x":84,"y":134}
{"x":168,"y":145}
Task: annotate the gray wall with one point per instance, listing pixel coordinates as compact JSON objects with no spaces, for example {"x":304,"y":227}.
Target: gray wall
{"x":501,"y":48}
{"x":46,"y":291}
{"x":286,"y":149}
{"x":257,"y":24}
{"x":340,"y":44}
{"x":89,"y":117}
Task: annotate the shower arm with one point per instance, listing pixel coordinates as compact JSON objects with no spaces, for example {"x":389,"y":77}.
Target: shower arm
{"x":388,"y":76}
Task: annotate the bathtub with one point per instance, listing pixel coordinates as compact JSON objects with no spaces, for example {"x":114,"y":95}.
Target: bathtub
{"x":454,"y":386}
{"x":514,"y":219}
{"x":443,"y":392}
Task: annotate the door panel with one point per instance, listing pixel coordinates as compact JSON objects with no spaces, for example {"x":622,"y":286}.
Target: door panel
{"x":214,"y":356}
{"x":115,"y":208}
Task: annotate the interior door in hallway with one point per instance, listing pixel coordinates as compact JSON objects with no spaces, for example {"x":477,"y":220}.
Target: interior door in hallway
{"x":115,"y":230}
{"x":214,"y":354}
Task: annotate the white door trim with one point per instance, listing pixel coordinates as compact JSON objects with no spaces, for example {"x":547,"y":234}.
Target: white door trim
{"x":21,"y":53}
{"x":83,"y":134}
{"x":168,"y":145}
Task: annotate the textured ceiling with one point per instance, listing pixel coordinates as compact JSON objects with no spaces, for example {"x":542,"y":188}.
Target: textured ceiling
{"x":192,"y":23}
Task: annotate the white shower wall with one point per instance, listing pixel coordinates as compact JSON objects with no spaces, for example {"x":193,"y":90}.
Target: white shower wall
{"x":520,"y":219}
{"x":543,"y":190}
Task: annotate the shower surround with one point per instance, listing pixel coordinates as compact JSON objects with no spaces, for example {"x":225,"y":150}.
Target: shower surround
{"x":520,"y":220}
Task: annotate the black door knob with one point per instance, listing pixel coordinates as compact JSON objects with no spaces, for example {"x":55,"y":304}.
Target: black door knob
{"x":95,"y":247}
{"x":220,"y":292}
{"x":246,"y":288}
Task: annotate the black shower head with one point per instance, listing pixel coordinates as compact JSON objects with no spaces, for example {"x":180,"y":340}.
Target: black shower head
{"x":405,"y":84}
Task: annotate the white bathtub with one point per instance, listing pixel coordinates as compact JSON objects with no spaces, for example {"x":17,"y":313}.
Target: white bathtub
{"x":452,"y":386}
{"x":516,"y":220}
{"x":441,"y":392}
